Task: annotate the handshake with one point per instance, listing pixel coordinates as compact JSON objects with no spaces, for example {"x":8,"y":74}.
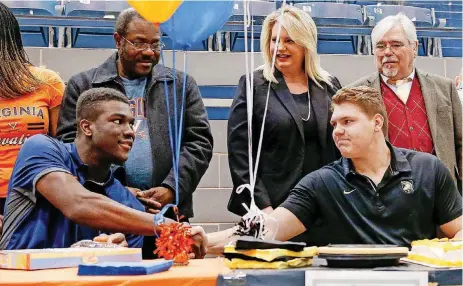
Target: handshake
{"x":153,"y":200}
{"x":196,"y":233}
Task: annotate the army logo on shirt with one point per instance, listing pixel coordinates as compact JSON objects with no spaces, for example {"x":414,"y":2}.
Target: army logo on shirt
{"x":407,"y":187}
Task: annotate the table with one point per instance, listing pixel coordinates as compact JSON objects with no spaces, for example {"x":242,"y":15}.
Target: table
{"x":205,"y":272}
{"x":296,"y":277}
{"x":198,"y":272}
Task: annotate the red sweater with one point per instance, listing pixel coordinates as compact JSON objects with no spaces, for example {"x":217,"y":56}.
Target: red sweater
{"x":408,"y":123}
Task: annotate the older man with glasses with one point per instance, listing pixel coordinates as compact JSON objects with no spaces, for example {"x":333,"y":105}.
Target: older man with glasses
{"x":134,"y":70}
{"x":424,"y":110}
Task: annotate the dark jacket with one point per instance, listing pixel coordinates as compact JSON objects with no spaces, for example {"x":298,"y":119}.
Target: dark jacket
{"x":196,"y":150}
{"x":281,"y":160}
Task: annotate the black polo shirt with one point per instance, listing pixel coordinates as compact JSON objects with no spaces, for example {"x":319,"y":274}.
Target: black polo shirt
{"x":416,"y":194}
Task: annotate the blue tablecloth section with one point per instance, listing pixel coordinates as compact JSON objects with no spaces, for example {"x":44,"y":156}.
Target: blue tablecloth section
{"x":296,"y":277}
{"x":125,"y":268}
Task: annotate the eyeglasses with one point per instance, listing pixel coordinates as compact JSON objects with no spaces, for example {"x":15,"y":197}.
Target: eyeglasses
{"x":395,"y":46}
{"x":143,"y":46}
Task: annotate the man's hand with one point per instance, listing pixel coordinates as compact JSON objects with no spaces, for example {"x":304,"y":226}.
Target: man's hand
{"x":268,"y":210}
{"x":115,"y":238}
{"x":1,"y":224}
{"x":156,"y":198}
{"x":134,"y":191}
{"x":200,"y":242}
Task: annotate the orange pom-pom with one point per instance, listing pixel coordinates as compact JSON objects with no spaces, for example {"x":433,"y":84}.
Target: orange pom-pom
{"x":174,"y":242}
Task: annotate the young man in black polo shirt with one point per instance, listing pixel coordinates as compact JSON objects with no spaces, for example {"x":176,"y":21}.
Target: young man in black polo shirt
{"x":375,"y":194}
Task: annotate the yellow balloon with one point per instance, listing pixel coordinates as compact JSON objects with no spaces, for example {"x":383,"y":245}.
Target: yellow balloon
{"x":156,"y":11}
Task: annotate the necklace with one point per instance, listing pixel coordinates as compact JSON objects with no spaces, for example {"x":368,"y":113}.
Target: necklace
{"x":308,"y":98}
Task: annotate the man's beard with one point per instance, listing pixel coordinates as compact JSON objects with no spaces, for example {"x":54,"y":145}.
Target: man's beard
{"x":389,"y":72}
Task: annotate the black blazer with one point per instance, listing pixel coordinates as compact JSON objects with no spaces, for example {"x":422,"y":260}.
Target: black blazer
{"x":281,"y":163}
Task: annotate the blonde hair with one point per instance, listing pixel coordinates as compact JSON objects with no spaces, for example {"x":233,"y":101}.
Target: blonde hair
{"x":302,"y":30}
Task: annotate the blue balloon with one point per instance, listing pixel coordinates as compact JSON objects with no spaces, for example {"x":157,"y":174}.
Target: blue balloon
{"x":194,"y":21}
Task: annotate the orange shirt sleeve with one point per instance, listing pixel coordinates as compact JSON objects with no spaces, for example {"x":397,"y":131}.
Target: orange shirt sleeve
{"x":54,"y":85}
{"x":55,"y":89}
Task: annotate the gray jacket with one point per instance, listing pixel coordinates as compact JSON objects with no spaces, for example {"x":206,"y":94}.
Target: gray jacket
{"x":443,"y":108}
{"x":197,"y":142}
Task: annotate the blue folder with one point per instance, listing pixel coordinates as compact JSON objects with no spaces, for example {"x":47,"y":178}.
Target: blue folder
{"x":125,"y":268}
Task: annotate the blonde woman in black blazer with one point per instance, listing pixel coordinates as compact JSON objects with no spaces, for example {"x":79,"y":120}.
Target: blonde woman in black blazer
{"x":297,"y":135}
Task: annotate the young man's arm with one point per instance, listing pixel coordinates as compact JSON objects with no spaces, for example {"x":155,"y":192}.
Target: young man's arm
{"x":83,"y":207}
{"x":41,"y":168}
{"x":452,"y":229}
{"x":97,"y":211}
{"x":290,"y":219}
{"x":288,"y":227}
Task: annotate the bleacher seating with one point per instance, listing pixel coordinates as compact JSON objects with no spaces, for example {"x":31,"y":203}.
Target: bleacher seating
{"x":350,"y":14}
{"x":451,"y":13}
{"x":92,"y":37}
{"x":218,"y":92}
{"x":335,"y":14}
{"x":420,"y":16}
{"x":35,"y":36}
{"x":370,"y":2}
{"x":258,"y":10}
{"x":100,"y":38}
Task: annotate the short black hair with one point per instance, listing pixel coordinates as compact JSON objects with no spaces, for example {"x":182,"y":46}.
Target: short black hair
{"x":124,"y":19}
{"x":89,"y":101}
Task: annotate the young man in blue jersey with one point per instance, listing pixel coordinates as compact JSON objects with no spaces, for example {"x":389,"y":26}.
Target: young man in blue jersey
{"x":61,"y":193}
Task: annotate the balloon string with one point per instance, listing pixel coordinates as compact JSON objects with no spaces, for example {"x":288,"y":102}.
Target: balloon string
{"x":253,"y":210}
{"x":249,"y":99}
{"x":175,"y":129}
{"x":176,"y":154}
{"x":180,"y":130}
{"x":250,"y":103}
{"x":261,"y":136}
{"x":252,"y":54}
{"x":171,"y":137}
{"x":166,"y":94}
{"x":247,"y":18}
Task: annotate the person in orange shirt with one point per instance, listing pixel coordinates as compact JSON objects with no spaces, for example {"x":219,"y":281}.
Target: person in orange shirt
{"x":30,"y":98}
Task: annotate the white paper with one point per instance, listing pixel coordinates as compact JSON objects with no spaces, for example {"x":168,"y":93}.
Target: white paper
{"x":365,"y":278}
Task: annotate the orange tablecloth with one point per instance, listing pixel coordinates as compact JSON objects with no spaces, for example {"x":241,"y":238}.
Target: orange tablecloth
{"x":198,"y":272}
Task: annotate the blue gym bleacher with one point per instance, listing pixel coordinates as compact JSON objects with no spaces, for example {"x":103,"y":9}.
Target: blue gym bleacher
{"x":258,"y":11}
{"x":326,"y":13}
{"x":217,"y":92}
{"x":33,"y":35}
{"x":343,"y":27}
{"x":451,"y":13}
{"x":91,"y":37}
{"x":348,"y":14}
